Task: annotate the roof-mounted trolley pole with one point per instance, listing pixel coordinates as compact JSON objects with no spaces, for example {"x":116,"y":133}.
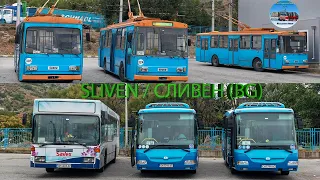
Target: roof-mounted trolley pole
{"x":140,"y":12}
{"x":52,"y":8}
{"x":39,"y":10}
{"x":130,"y":13}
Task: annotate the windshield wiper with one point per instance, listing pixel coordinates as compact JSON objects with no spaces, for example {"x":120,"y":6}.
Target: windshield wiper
{"x":164,"y":145}
{"x":77,"y":142}
{"x":267,"y":147}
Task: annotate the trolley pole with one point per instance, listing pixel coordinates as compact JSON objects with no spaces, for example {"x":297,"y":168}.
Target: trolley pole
{"x":121,"y":11}
{"x":126,"y":116}
{"x":230,"y":15}
{"x":18,"y":12}
{"x":212,"y":29}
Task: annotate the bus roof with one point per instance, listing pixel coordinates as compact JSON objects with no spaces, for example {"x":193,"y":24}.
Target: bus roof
{"x":53,"y":19}
{"x":169,"y":107}
{"x":148,"y":22}
{"x":260,"y":107}
{"x":254,"y":31}
{"x":167,"y":110}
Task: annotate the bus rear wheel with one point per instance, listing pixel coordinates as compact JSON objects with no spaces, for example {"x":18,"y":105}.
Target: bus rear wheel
{"x":215,"y":61}
{"x":193,"y":171}
{"x":257,"y":65}
{"x":121,"y":73}
{"x":285,"y":172}
{"x":115,"y":157}
{"x":49,"y":170}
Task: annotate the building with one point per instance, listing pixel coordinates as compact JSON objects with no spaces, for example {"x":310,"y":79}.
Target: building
{"x":255,"y":13}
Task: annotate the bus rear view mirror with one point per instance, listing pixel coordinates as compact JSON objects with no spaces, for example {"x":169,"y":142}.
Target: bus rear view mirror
{"x":299,"y":123}
{"x":88,"y":38}
{"x":189,"y":42}
{"x":24,"y":119}
{"x":129,"y":37}
{"x":132,"y":121}
{"x":16,"y":40}
{"x":201,"y":124}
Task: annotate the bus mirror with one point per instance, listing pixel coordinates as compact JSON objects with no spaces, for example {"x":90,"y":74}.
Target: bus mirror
{"x":88,"y":38}
{"x":131,"y":121}
{"x":201,"y":124}
{"x":189,"y":42}
{"x":16,"y":40}
{"x":230,"y":122}
{"x":129,"y":37}
{"x":129,"y":51}
{"x":24,"y":119}
{"x":299,"y":123}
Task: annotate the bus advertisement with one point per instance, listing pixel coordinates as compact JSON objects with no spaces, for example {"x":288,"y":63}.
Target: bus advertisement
{"x":261,"y":136}
{"x":49,"y":48}
{"x":71,"y":133}
{"x":145,"y":49}
{"x":165,"y":138}
{"x":258,"y":48}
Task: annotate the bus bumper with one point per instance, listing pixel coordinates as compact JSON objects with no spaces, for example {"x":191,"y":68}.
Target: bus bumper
{"x":259,"y":167}
{"x":73,"y":166}
{"x":176,"y":167}
{"x":51,"y":77}
{"x":295,"y":67}
{"x":160,"y":78}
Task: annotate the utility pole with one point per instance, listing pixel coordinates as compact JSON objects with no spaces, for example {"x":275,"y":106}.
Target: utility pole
{"x":212,"y":29}
{"x":230,"y":15}
{"x":126,"y":116}
{"x":121,"y":11}
{"x":18,"y":12}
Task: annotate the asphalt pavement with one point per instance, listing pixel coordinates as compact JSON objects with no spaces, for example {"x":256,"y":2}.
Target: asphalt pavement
{"x":16,"y":167}
{"x":198,"y":73}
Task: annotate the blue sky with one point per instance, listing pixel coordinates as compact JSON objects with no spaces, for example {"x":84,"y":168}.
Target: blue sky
{"x":281,"y":7}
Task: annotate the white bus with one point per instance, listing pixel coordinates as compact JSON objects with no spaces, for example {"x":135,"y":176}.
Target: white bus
{"x":71,"y":133}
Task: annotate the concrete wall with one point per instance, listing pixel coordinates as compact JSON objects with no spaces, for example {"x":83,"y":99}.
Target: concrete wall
{"x":255,"y":13}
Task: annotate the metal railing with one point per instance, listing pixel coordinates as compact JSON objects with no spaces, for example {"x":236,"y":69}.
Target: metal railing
{"x":209,"y":139}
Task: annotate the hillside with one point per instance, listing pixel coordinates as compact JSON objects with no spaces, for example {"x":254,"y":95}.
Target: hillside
{"x":7,"y":36}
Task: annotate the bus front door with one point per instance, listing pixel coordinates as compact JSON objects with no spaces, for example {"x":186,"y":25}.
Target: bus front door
{"x":112,"y":51}
{"x":101,"y":50}
{"x":128,"y":55}
{"x":204,"y":48}
{"x":270,"y":50}
{"x":233,"y":51}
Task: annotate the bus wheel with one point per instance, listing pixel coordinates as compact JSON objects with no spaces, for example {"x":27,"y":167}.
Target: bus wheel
{"x":257,"y":65}
{"x":215,"y":61}
{"x":233,"y":171}
{"x":105,"y":67}
{"x":115,"y":157}
{"x":143,"y":171}
{"x":193,"y":171}
{"x":285,"y":172}
{"x":121,"y":73}
{"x":49,"y":170}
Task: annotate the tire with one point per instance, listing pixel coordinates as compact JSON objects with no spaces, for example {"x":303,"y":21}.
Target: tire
{"x":143,"y":171}
{"x":233,"y":171}
{"x":285,"y":172}
{"x":49,"y":170}
{"x":193,"y":171}
{"x":104,"y":165}
{"x":105,"y":67}
{"x":257,"y":65}
{"x":215,"y":61}
{"x":121,"y":73}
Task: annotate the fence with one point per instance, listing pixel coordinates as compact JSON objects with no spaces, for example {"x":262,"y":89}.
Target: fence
{"x":210,"y":139}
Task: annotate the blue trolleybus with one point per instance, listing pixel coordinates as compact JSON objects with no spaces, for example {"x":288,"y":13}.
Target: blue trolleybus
{"x":145,"y":49}
{"x":166,"y":138}
{"x":49,"y":47}
{"x":258,"y":48}
{"x":261,"y":136}
{"x":71,"y":133}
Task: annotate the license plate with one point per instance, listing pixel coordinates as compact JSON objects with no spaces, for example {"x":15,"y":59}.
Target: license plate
{"x":296,"y":61}
{"x":162,"y":69}
{"x":53,"y":67}
{"x":268,"y":166}
{"x":64,"y":166}
{"x":166,"y":165}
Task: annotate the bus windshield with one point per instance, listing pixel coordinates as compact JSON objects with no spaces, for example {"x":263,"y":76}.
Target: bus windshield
{"x":294,"y":44}
{"x":162,"y":42}
{"x":69,"y":129}
{"x":49,"y":40}
{"x":265,"y":129}
{"x":166,"y":129}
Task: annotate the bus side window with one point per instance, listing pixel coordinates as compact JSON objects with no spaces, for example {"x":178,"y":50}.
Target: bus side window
{"x":198,"y":41}
{"x":223,"y":41}
{"x":245,"y":42}
{"x":214,"y":41}
{"x":123,"y":38}
{"x":119,"y":39}
{"x":256,"y":42}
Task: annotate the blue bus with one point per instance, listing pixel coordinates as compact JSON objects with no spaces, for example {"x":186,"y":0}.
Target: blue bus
{"x":166,"y":138}
{"x":49,"y":48}
{"x":73,"y":134}
{"x":145,"y":49}
{"x":261,"y":136}
{"x":258,"y":48}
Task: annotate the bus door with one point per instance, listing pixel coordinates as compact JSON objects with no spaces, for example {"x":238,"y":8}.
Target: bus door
{"x":230,"y":140}
{"x":112,"y":51}
{"x":128,"y":54}
{"x":102,"y":46}
{"x":204,"y":48}
{"x":269,"y":54}
{"x":132,"y":151}
{"x":233,"y":51}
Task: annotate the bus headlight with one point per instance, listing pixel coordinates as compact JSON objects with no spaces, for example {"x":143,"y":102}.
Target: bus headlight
{"x":181,"y":69}
{"x":293,"y":163}
{"x":32,"y":68}
{"x":243,"y":163}
{"x":189,"y":162}
{"x":74,"y":68}
{"x":140,"y":62}
{"x":305,"y":61}
{"x":284,"y":57}
{"x":40,"y":159}
{"x":88,"y":160}
{"x":287,"y":61}
{"x":142,"y":162}
{"x":143,"y":69}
